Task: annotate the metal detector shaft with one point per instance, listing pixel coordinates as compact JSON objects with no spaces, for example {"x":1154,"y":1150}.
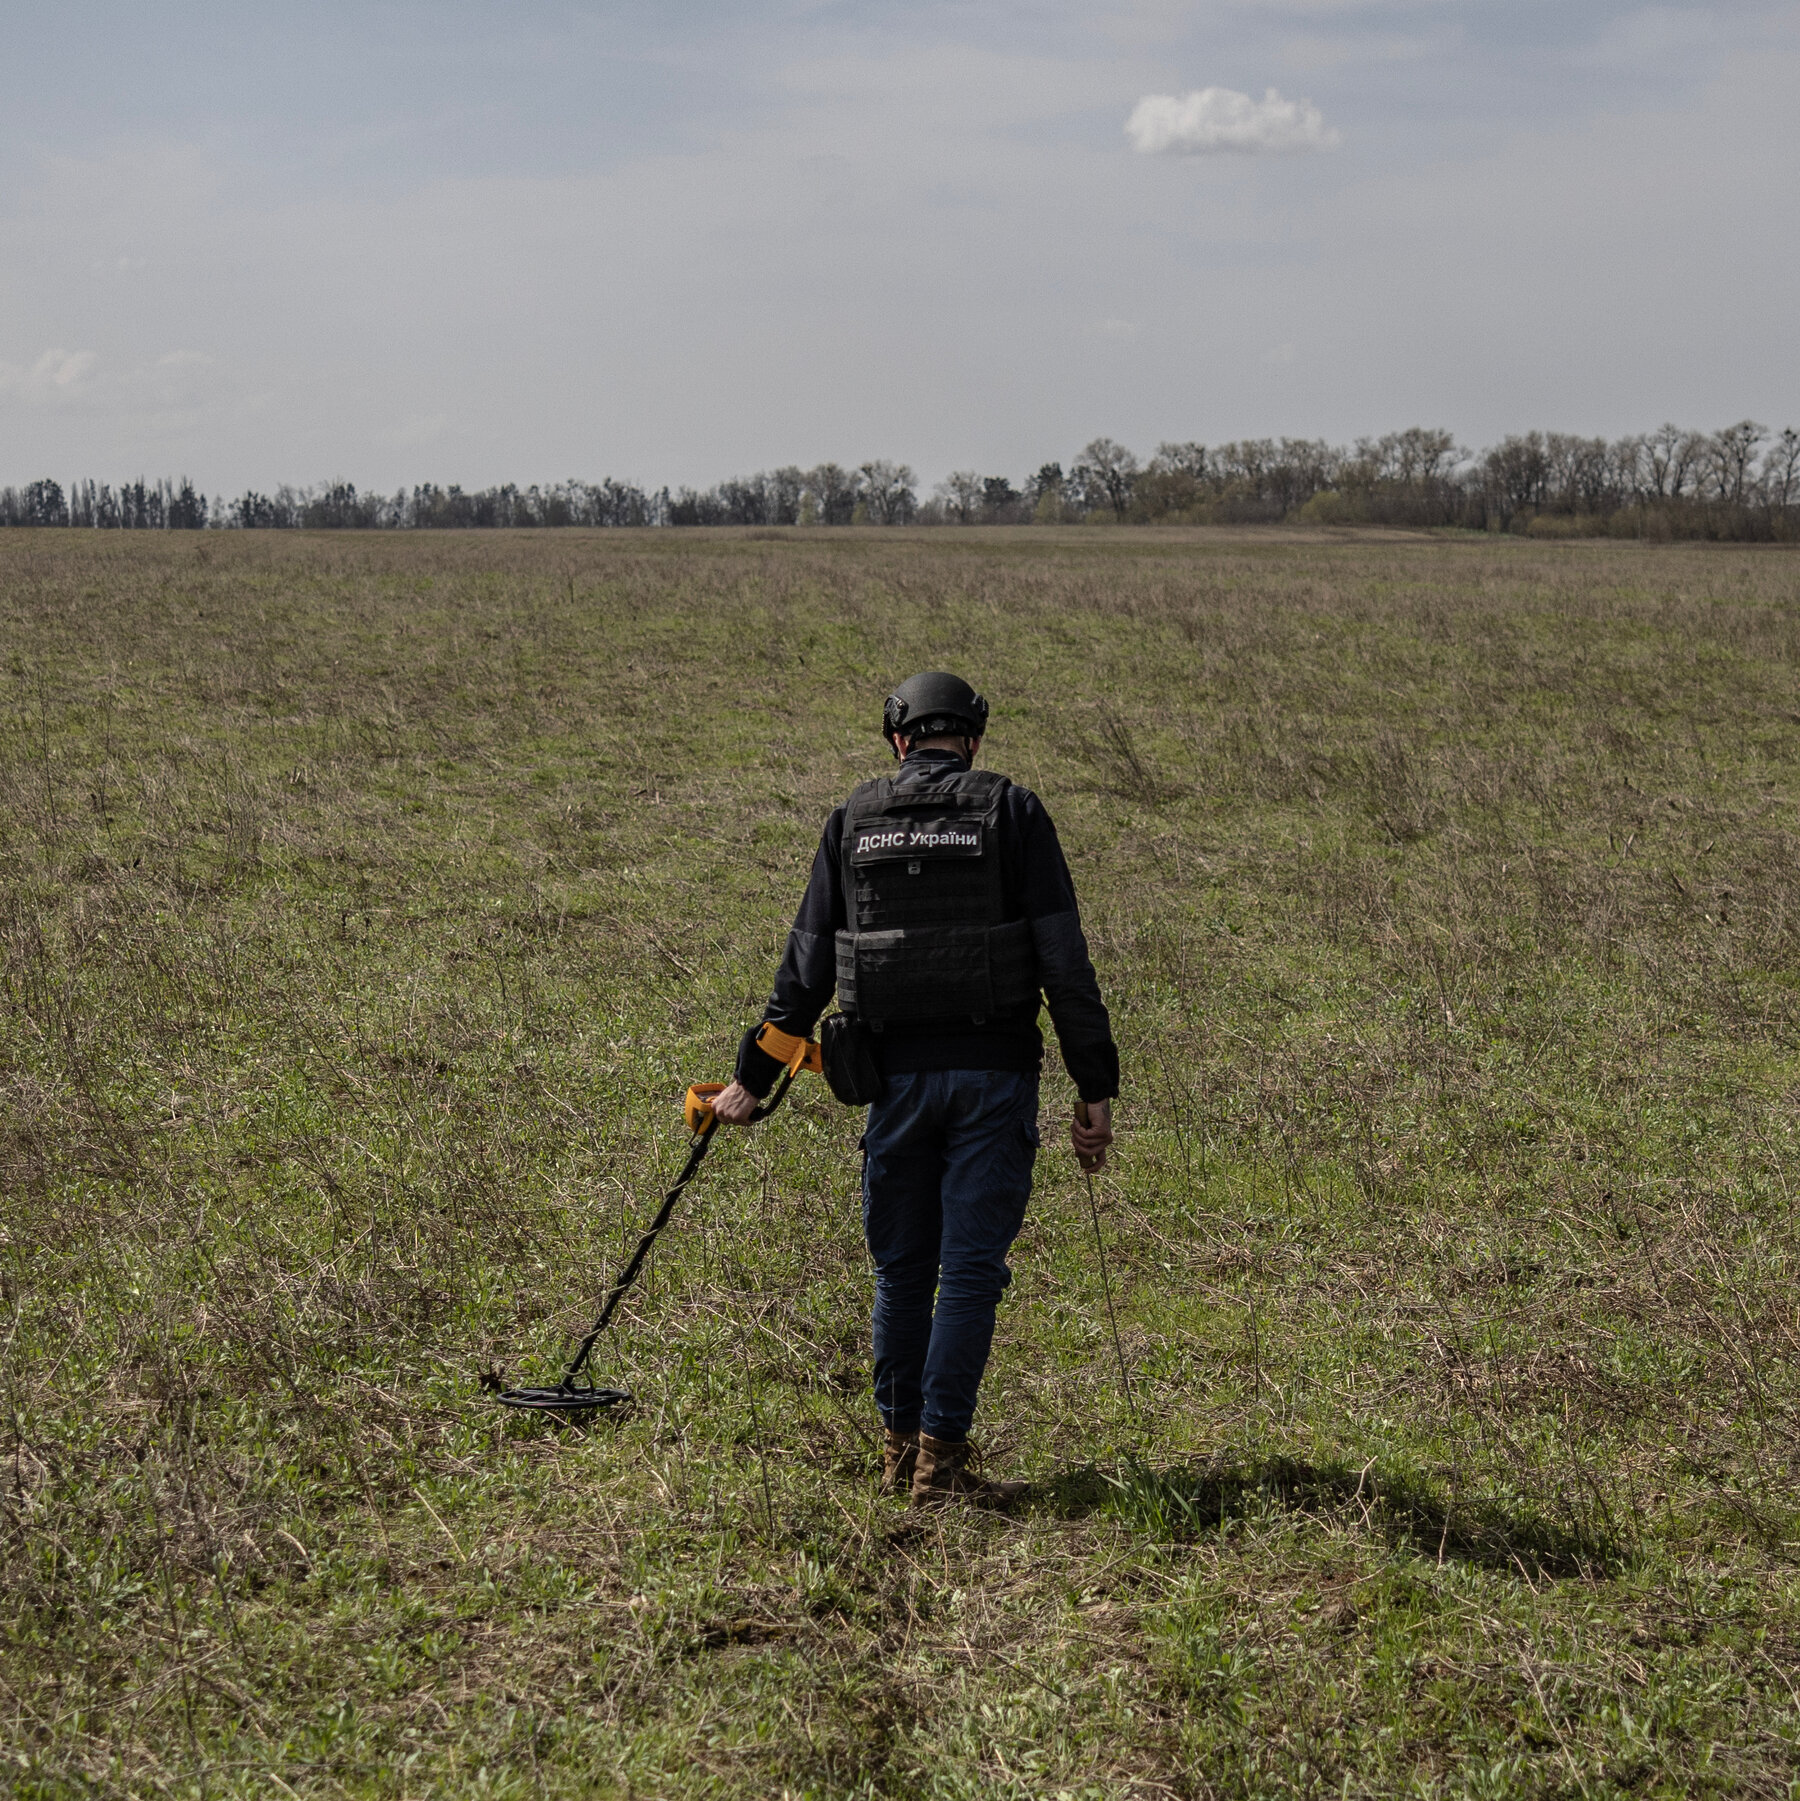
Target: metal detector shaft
{"x":566,"y":1397}
{"x":696,"y":1156}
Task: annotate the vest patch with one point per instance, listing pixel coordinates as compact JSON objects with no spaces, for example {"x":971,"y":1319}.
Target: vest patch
{"x":939,"y":838}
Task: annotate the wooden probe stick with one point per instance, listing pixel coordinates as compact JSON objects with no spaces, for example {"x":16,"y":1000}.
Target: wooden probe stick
{"x":1088,"y":1166}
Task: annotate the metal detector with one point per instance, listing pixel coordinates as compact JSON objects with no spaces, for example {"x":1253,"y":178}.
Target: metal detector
{"x":572,"y":1397}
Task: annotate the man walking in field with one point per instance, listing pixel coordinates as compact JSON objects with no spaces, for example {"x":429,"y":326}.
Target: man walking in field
{"x":940,"y":908}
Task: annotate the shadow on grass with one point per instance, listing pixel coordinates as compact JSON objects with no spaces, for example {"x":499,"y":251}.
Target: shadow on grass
{"x":1185,"y":1503}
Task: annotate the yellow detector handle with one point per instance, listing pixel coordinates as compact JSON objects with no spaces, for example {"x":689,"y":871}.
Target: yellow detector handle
{"x":698,"y":1110}
{"x":784,"y":1047}
{"x":796,"y":1053}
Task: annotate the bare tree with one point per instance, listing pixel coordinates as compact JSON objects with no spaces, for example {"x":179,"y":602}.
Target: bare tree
{"x":746,"y":501}
{"x":1579,"y":472}
{"x":890,"y":491}
{"x":834,"y":492}
{"x":1780,"y":480}
{"x":1671,"y":461}
{"x":1187,"y":459}
{"x":1516,"y":475}
{"x":1419,"y":456}
{"x":786,"y":486}
{"x":1106,"y":475}
{"x":1630,"y":462}
{"x":961,"y":492}
{"x":1732,"y":452}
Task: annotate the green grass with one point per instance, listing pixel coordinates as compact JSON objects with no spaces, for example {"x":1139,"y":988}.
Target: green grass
{"x":366,"y":905}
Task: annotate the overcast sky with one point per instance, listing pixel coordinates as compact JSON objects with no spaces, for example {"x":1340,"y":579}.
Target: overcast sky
{"x":672,"y":242}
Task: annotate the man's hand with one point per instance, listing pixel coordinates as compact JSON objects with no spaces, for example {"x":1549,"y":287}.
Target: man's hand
{"x":734,"y":1105}
{"x":1091,"y":1134}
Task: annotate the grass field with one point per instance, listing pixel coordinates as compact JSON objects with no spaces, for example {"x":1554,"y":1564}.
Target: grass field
{"x":368,"y":902}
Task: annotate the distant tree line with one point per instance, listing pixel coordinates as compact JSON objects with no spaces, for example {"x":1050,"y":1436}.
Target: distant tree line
{"x":132,"y":506}
{"x":1742,"y":482}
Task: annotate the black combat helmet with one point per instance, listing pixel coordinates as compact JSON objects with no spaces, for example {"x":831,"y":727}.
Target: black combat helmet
{"x":934,"y":704}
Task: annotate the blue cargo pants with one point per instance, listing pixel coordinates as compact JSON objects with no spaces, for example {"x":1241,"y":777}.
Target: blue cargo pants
{"x":947,"y":1161}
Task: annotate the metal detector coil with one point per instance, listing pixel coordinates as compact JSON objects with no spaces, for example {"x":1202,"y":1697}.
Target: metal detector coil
{"x":572,"y":1397}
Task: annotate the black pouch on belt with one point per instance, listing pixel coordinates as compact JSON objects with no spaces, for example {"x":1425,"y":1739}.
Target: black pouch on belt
{"x":847,"y":1051}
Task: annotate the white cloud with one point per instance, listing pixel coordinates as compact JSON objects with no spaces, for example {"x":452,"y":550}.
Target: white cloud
{"x":1212,"y":119}
{"x":55,"y":375}
{"x":162,"y":393}
{"x":178,"y":380}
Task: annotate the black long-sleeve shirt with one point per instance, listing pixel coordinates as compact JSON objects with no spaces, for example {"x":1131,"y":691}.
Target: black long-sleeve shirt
{"x":1036,"y":886}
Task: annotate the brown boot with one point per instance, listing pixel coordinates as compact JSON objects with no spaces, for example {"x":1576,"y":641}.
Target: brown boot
{"x":943,"y":1475}
{"x":897,"y":1461}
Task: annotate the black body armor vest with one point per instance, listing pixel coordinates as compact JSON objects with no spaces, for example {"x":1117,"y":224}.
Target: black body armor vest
{"x":928,"y":937}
